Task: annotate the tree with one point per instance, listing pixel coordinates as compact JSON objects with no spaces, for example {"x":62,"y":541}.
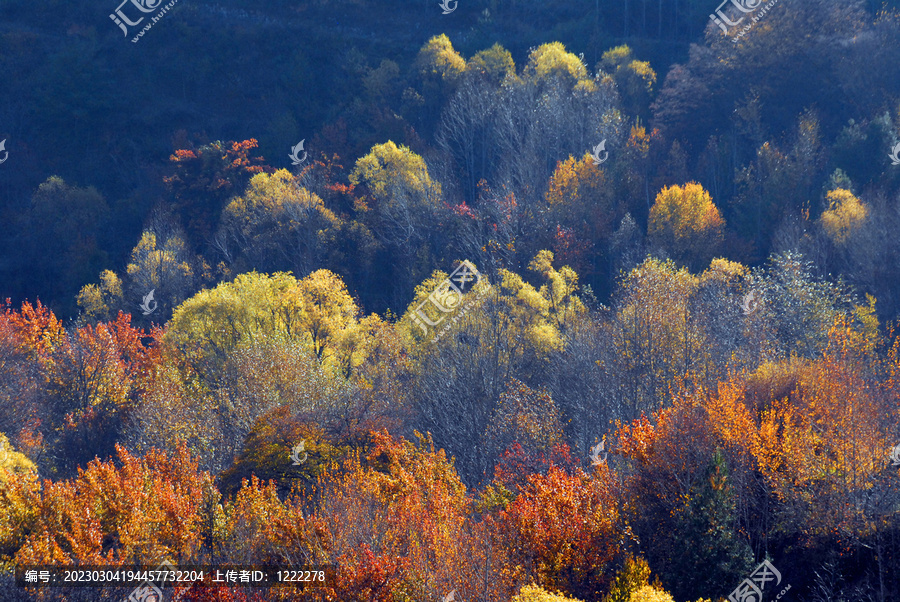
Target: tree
{"x":317,"y":311}
{"x":533,"y":593}
{"x":99,"y":301}
{"x":565,"y":528}
{"x":555,"y":111}
{"x":466,"y":132}
{"x":406,"y":204}
{"x":138,"y":512}
{"x":506,"y":329}
{"x":654,"y":332}
{"x":321,"y":308}
{"x":797,"y":309}
{"x":580,"y":198}
{"x":553,"y":61}
{"x":202,"y":181}
{"x":496,"y":64}
{"x":438,"y":58}
{"x":277,"y":225}
{"x":95,"y":379}
{"x":19,"y":491}
{"x":648,"y":593}
{"x":26,"y":338}
{"x":708,"y":554}
{"x":634,"y":575}
{"x":845,"y":215}
{"x":267,"y":448}
{"x":819,"y":445}
{"x":635,"y":79}
{"x":524,"y":417}
{"x":164,"y":266}
{"x":681,"y":504}
{"x":394,"y":516}
{"x":64,"y":241}
{"x":684,"y":221}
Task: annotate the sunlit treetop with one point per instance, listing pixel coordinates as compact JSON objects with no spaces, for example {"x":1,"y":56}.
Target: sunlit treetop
{"x":495,"y":62}
{"x":438,"y":57}
{"x":389,"y":170}
{"x":845,"y":215}
{"x":552,"y":60}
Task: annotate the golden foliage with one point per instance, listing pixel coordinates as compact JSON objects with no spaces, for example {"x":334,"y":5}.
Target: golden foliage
{"x":552,"y":60}
{"x":845,"y":215}
{"x":648,"y":593}
{"x":533,"y":593}
{"x":438,"y":57}
{"x":684,"y":217}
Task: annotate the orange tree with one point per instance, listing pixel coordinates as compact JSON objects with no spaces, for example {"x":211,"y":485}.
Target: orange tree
{"x":565,"y":529}
{"x":95,"y":377}
{"x":394,"y":516}
{"x":681,"y":497}
{"x":138,"y":511}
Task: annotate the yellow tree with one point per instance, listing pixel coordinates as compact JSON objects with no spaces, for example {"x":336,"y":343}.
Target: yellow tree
{"x":19,"y":496}
{"x":263,"y":341}
{"x":438,"y":58}
{"x":162,"y":264}
{"x":552,"y":60}
{"x":406,"y":201}
{"x":206,"y":328}
{"x":506,"y":330}
{"x":317,"y":310}
{"x":559,"y":290}
{"x":320,"y":309}
{"x":99,"y":301}
{"x":845,"y":215}
{"x":685,"y":222}
{"x":277,"y":224}
{"x":533,"y":593}
{"x":390,"y":170}
{"x":496,"y":63}
{"x":635,"y":79}
{"x":655,"y":334}
{"x":580,"y":200}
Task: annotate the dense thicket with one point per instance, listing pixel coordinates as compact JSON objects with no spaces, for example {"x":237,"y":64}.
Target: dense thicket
{"x":677,"y":358}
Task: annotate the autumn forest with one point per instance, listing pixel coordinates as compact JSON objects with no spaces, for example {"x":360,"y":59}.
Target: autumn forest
{"x":467,"y":301}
